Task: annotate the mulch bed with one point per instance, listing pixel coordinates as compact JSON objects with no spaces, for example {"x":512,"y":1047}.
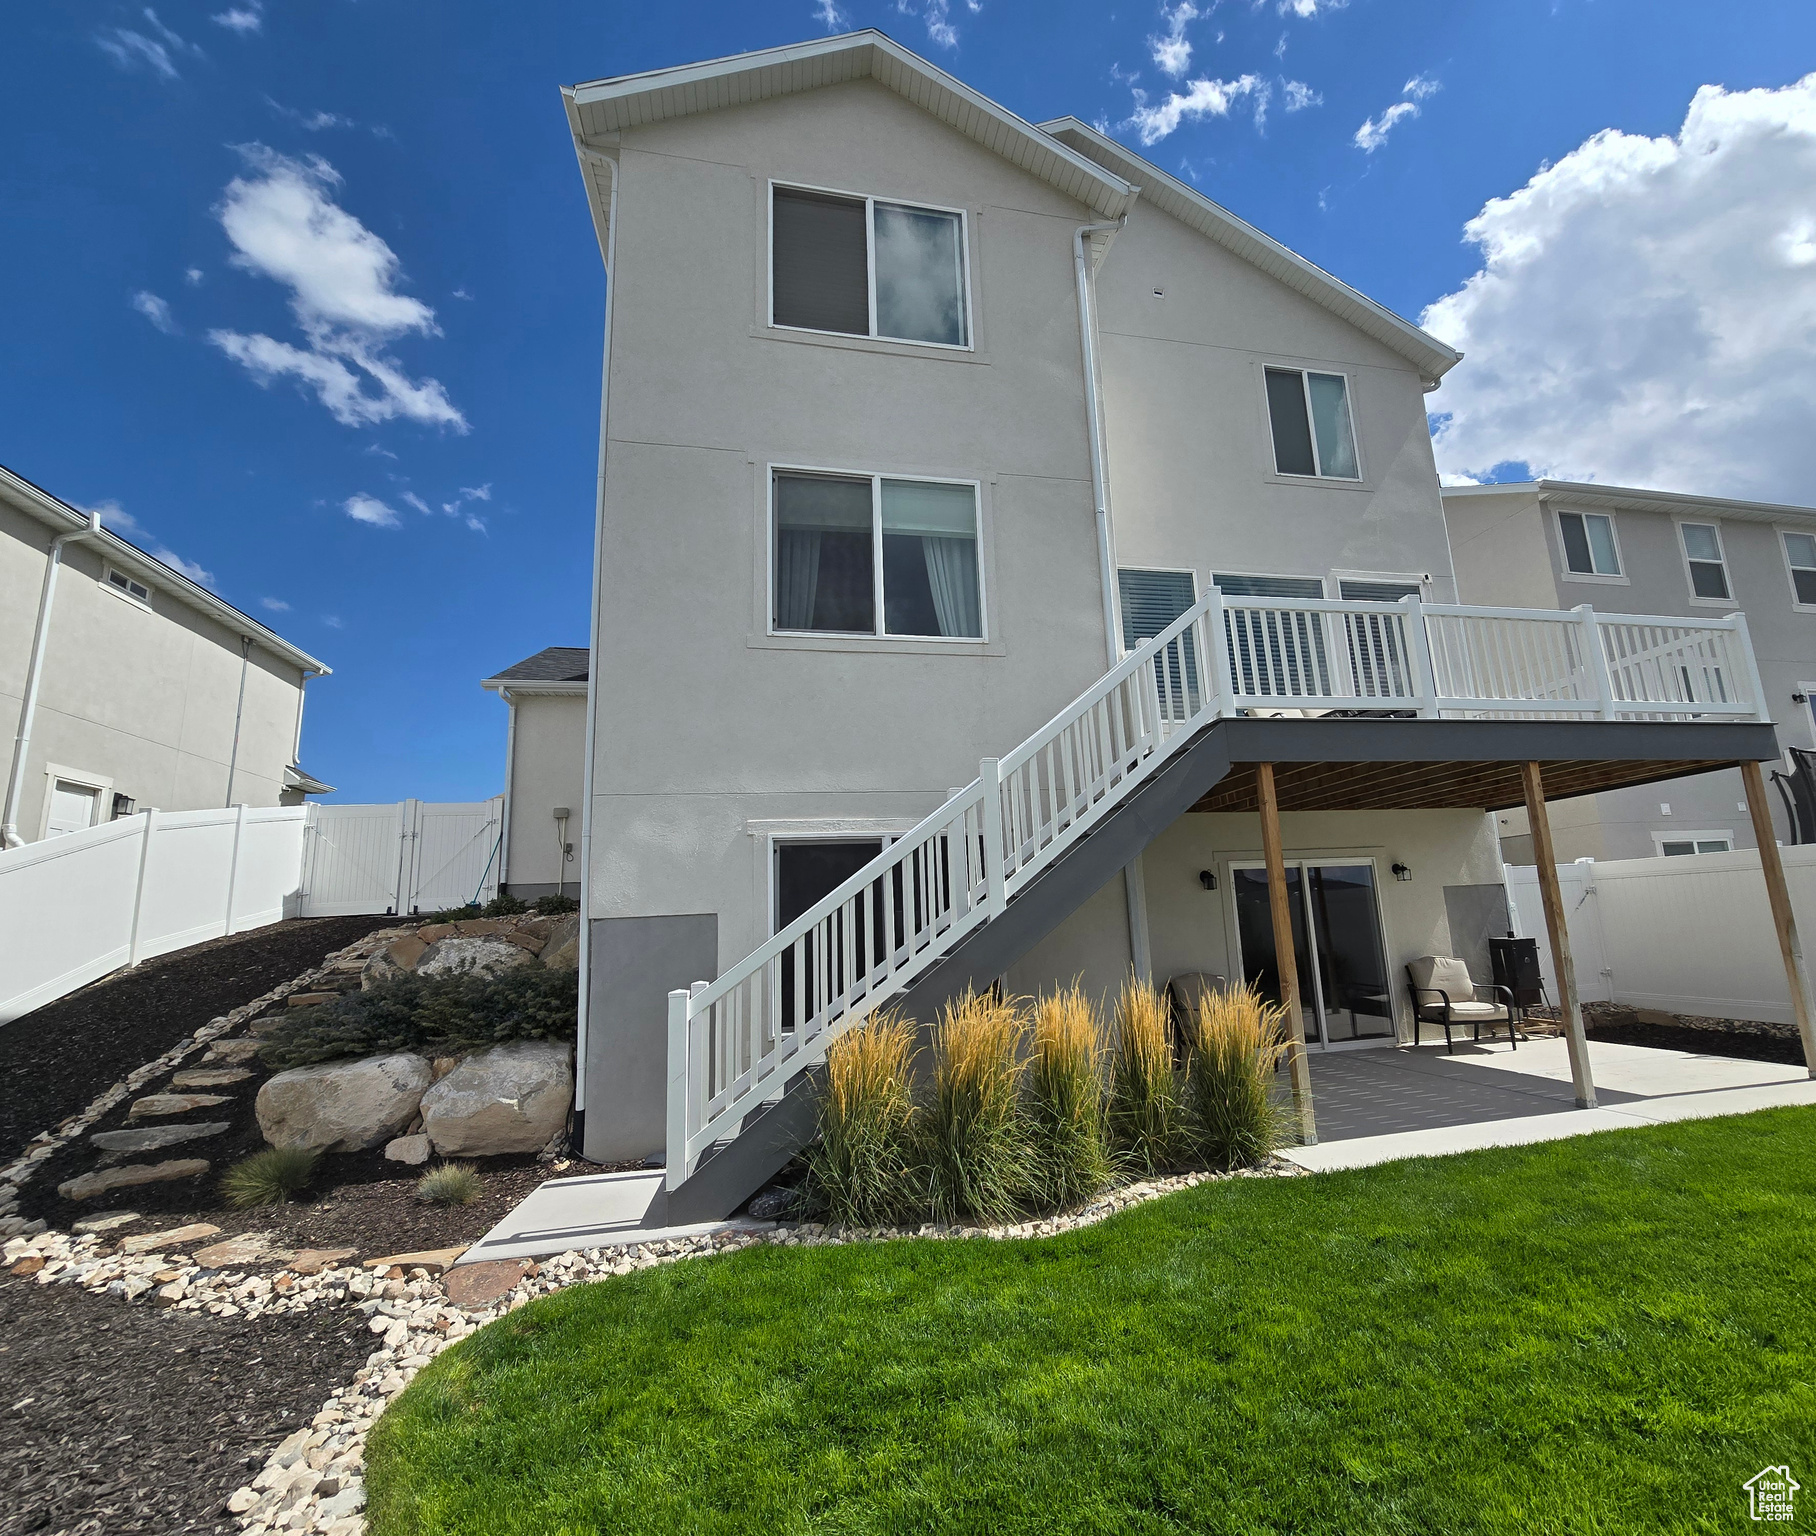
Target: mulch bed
{"x":1703,"y":1040}
{"x":54,"y":1061}
{"x":139,"y":1419}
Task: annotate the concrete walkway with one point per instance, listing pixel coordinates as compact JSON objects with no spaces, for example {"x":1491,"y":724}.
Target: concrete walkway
{"x":1377,"y":1105}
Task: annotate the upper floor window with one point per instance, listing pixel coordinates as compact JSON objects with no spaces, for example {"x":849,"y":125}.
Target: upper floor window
{"x":849,"y":549}
{"x":1151,"y":600}
{"x":1588,"y":539}
{"x":1800,"y":555}
{"x":121,"y":582}
{"x":1702,"y":553}
{"x":863,"y":267}
{"x":1310,"y":416}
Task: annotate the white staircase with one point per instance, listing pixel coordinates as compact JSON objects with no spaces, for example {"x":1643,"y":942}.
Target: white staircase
{"x":738,"y":1043}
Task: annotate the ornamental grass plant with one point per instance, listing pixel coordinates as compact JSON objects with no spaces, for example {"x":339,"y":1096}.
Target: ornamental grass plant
{"x":270,"y":1177}
{"x":1236,"y":1042}
{"x":863,"y":1164}
{"x":1065,"y":1099}
{"x":980,"y":1157}
{"x":1146,"y":1115}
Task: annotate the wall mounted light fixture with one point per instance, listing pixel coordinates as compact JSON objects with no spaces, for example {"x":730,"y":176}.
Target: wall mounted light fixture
{"x":1207,"y":879}
{"x":1402,"y":872}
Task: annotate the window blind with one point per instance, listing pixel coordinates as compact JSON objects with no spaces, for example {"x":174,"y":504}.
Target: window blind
{"x":820,"y":267}
{"x":1377,"y":591}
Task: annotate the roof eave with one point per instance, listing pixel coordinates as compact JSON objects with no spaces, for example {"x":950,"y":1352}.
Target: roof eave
{"x":1634,"y":498}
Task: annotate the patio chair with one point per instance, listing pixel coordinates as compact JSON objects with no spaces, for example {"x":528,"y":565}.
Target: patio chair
{"x":1443,"y":992}
{"x":1185,"y":992}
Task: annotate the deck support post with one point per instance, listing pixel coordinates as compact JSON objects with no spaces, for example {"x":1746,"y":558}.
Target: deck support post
{"x":1558,"y":927}
{"x":1771,"y":865}
{"x":1280,"y":907}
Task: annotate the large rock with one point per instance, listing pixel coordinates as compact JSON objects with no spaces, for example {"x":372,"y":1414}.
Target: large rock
{"x":88,"y":1185}
{"x":153,"y":1138}
{"x":512,"y":1098}
{"x":471,"y":955}
{"x":394,"y":960}
{"x":563,"y":948}
{"x":344,"y":1106}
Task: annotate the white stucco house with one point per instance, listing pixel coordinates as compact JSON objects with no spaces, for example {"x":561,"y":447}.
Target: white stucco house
{"x":1013,"y":566}
{"x":127,"y":685}
{"x":1627,"y":550}
{"x":544,"y":769}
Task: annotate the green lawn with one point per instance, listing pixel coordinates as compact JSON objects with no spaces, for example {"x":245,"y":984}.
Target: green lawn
{"x":1598,"y":1335}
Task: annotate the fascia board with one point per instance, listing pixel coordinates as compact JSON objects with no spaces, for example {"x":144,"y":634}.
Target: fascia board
{"x":1620,"y":498}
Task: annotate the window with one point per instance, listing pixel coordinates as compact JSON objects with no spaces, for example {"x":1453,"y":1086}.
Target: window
{"x":1678,"y":847}
{"x":862,"y":267}
{"x":1151,"y":600}
{"x":1588,"y":543}
{"x":121,"y":582}
{"x":1702,"y":551}
{"x":805,"y":872}
{"x":1310,"y":416}
{"x":849,"y":549}
{"x":1267,"y":586}
{"x":1800,"y":555}
{"x":1377,"y":591}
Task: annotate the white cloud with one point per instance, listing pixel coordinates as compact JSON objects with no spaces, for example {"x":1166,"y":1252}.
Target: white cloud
{"x":369,"y":509}
{"x":1172,"y":52}
{"x":1199,"y":100}
{"x":477,"y":524}
{"x":284,"y":224}
{"x":416,"y":501}
{"x":1299,"y":95}
{"x":937,"y":15}
{"x":1644,"y":309}
{"x":193,"y":277}
{"x":274,"y":604}
{"x":1309,"y":8}
{"x":334,"y":621}
{"x":157,"y":311}
{"x":461,"y":293}
{"x":129,"y":49}
{"x":1420,"y":87}
{"x":117,"y":519}
{"x":310,"y":122}
{"x":243,"y":19}
{"x":379,"y":451}
{"x":829,"y":15}
{"x":1374,"y":131}
{"x":1449,"y":480}
{"x":477,"y":492}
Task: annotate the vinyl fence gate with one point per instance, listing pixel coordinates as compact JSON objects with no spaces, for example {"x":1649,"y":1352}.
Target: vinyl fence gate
{"x":414,"y":856}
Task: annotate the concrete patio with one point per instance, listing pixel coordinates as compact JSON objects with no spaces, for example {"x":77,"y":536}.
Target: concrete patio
{"x":1377,"y":1105}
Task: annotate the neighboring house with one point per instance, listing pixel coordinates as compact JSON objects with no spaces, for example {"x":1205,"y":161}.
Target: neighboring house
{"x":920,"y":419}
{"x":131,"y":687}
{"x":1556,"y":543}
{"x":544,"y":768}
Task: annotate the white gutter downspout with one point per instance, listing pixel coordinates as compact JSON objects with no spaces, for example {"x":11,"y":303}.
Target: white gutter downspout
{"x":239,"y":709}
{"x":510,"y":769}
{"x":28,"y":707}
{"x":592,"y":669}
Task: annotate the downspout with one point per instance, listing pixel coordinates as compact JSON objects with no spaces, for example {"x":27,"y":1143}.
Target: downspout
{"x":510,"y":772}
{"x":239,"y":709}
{"x":28,"y":706}
{"x":302,"y":688}
{"x":592,"y":671}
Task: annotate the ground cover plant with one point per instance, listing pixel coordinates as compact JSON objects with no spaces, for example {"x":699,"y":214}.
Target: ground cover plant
{"x":432,"y":1016}
{"x":1602,"y":1335}
{"x":270,"y":1177}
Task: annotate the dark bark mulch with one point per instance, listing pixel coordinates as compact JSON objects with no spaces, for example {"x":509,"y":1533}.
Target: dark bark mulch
{"x":1748,"y":1044}
{"x":54,"y":1061}
{"x":121,"y":1418}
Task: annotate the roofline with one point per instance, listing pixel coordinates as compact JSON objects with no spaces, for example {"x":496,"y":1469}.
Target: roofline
{"x":1433,"y":357}
{"x":66,"y":519}
{"x":1636,"y":499}
{"x":1116,"y":194}
{"x":532,"y":685}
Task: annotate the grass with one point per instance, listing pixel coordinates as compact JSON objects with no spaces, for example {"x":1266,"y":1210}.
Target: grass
{"x":1236,"y":1042}
{"x":979,"y":1157}
{"x":270,"y":1177}
{"x":862,"y":1164}
{"x":450,"y":1184}
{"x":1147,"y":1122}
{"x":1065,"y":1099}
{"x":1595,"y":1336}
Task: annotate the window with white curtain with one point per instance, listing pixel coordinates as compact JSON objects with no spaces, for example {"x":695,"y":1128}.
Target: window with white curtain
{"x":1309,"y":413}
{"x":875,"y":555}
{"x":860,"y":266}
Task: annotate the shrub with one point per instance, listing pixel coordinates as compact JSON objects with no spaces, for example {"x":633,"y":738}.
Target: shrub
{"x":1146,"y":1120}
{"x":555,"y":906}
{"x":1236,"y":1043}
{"x":431,"y":1015}
{"x":450,"y":1184}
{"x":504,"y":906}
{"x":980,"y":1160}
{"x":459,"y":914}
{"x":862,"y":1164}
{"x":270,"y":1177}
{"x":1065,"y":1098}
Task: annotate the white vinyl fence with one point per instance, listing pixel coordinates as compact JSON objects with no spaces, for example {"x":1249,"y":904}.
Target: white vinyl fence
{"x":75,"y":908}
{"x":1689,"y":934}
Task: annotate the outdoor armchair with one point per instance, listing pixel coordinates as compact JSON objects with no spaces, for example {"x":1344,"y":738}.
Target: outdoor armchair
{"x":1444,"y":993}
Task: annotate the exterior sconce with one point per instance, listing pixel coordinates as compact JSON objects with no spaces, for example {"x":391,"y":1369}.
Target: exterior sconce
{"x":1207,"y":879}
{"x":1800,"y":698}
{"x":1402,"y":872}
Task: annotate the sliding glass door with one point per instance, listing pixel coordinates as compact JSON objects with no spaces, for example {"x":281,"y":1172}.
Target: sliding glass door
{"x":1344,"y":993}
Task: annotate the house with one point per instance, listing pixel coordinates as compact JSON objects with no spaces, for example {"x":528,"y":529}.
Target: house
{"x":132,"y":686}
{"x":545,"y":756}
{"x":1014,"y":567}
{"x":1556,"y":543}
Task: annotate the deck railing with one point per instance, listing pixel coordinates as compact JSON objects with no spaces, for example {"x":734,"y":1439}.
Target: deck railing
{"x":737,"y":1042}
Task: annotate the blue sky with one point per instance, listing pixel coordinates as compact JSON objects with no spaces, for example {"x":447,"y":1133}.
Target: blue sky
{"x":282,"y":427}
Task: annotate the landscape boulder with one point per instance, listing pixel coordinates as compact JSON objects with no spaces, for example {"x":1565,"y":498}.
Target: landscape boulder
{"x":512,"y":1098}
{"x":397,"y":957}
{"x":471,"y":955}
{"x":342,"y":1106}
{"x":562,"y":951}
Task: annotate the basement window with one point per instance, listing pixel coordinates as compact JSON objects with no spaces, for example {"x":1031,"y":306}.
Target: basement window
{"x":121,"y":582}
{"x":859,"y":266}
{"x":1681,"y":847}
{"x":1310,"y":417}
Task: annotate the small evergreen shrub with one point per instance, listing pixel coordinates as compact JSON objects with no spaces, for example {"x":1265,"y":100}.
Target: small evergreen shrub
{"x":270,"y":1177}
{"x":862,"y":1165}
{"x":1236,"y":1043}
{"x":980,"y":1157}
{"x":1066,"y":1099}
{"x":450,"y":1184}
{"x":430,"y":1015}
{"x":1147,"y":1125}
{"x":504,"y":906}
{"x":555,"y":906}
